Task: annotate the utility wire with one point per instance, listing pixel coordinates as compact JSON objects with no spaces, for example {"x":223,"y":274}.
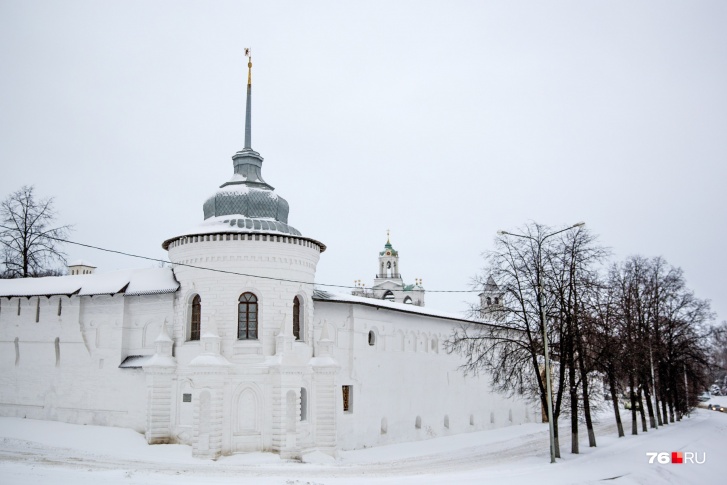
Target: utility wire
{"x":226,"y":271}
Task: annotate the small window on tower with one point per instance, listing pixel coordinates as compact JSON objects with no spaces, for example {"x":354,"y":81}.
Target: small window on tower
{"x":186,"y":398}
{"x":296,"y":318}
{"x":196,"y":318}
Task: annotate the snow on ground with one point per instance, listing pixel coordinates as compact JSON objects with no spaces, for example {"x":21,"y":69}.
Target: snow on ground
{"x":721,"y":400}
{"x":57,"y":453}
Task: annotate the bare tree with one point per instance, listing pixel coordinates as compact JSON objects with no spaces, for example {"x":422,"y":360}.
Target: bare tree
{"x":30,"y":245}
{"x":609,"y":359}
{"x":661,"y":331}
{"x":684,"y":330}
{"x":638,"y":327}
{"x":573,"y":278}
{"x":718,"y":356}
{"x":630,"y":283}
{"x":528,"y":270}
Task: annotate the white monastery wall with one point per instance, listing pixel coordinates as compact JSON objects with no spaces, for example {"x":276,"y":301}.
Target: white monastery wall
{"x":405,"y":386}
{"x":61,"y":356}
{"x":66,"y":366}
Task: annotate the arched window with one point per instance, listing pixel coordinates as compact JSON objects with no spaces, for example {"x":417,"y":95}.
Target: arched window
{"x":389,"y":295}
{"x":407,"y":300}
{"x":497,"y":301}
{"x":194,"y":324}
{"x":296,"y":318}
{"x":489,"y":301}
{"x":247,"y":317}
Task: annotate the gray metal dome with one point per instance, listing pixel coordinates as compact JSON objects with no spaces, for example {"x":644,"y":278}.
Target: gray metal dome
{"x":248,"y":202}
{"x":247,"y":195}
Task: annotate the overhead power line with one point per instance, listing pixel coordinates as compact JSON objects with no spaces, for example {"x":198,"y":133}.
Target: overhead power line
{"x":157,"y":260}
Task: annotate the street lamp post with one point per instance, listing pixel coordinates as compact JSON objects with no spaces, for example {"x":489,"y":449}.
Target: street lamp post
{"x":548,"y":387}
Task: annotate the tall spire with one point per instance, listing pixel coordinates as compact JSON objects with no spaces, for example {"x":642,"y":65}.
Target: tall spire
{"x":247,"y":162}
{"x":248,"y":121}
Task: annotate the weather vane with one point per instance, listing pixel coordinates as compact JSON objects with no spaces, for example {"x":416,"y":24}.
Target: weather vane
{"x":248,"y":54}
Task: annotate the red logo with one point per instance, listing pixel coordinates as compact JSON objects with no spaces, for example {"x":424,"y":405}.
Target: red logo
{"x":677,"y":457}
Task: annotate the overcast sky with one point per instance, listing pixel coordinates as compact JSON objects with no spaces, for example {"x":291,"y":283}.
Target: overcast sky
{"x":442,"y":121}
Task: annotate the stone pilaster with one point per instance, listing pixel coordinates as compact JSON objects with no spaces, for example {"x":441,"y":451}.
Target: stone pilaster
{"x":160,"y":372}
{"x":209,"y":373}
{"x":208,"y":417}
{"x":325,"y":370}
{"x":286,"y":412}
{"x":325,"y":410}
{"x":159,"y":382}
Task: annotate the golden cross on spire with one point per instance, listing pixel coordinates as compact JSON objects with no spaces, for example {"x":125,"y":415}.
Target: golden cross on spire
{"x":387,"y":236}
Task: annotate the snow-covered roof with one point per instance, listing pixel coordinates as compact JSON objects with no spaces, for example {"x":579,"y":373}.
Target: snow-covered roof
{"x":151,"y":281}
{"x":134,"y":361}
{"x":321,"y":295}
{"x":491,"y":285}
{"x":239,"y":224}
{"x":130,"y":282}
{"x":81,"y":262}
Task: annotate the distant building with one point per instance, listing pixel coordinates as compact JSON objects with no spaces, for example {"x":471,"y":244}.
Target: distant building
{"x":232,"y":349}
{"x":491,"y":302}
{"x":388,"y":283}
{"x":79,"y":267}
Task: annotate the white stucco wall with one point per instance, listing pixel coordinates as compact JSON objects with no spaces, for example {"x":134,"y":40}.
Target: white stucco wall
{"x":245,"y":394}
{"x":407,"y":374}
{"x":80,"y":382}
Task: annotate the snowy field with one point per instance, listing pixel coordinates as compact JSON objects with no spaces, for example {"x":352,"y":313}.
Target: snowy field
{"x":33,"y":452}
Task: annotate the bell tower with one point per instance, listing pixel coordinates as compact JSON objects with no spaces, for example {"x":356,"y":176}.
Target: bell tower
{"x":388,"y":283}
{"x":491,"y":301}
{"x":388,"y":261}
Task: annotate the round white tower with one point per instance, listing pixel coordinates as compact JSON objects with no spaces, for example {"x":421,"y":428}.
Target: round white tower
{"x":245,"y":275}
{"x":243,"y":327}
